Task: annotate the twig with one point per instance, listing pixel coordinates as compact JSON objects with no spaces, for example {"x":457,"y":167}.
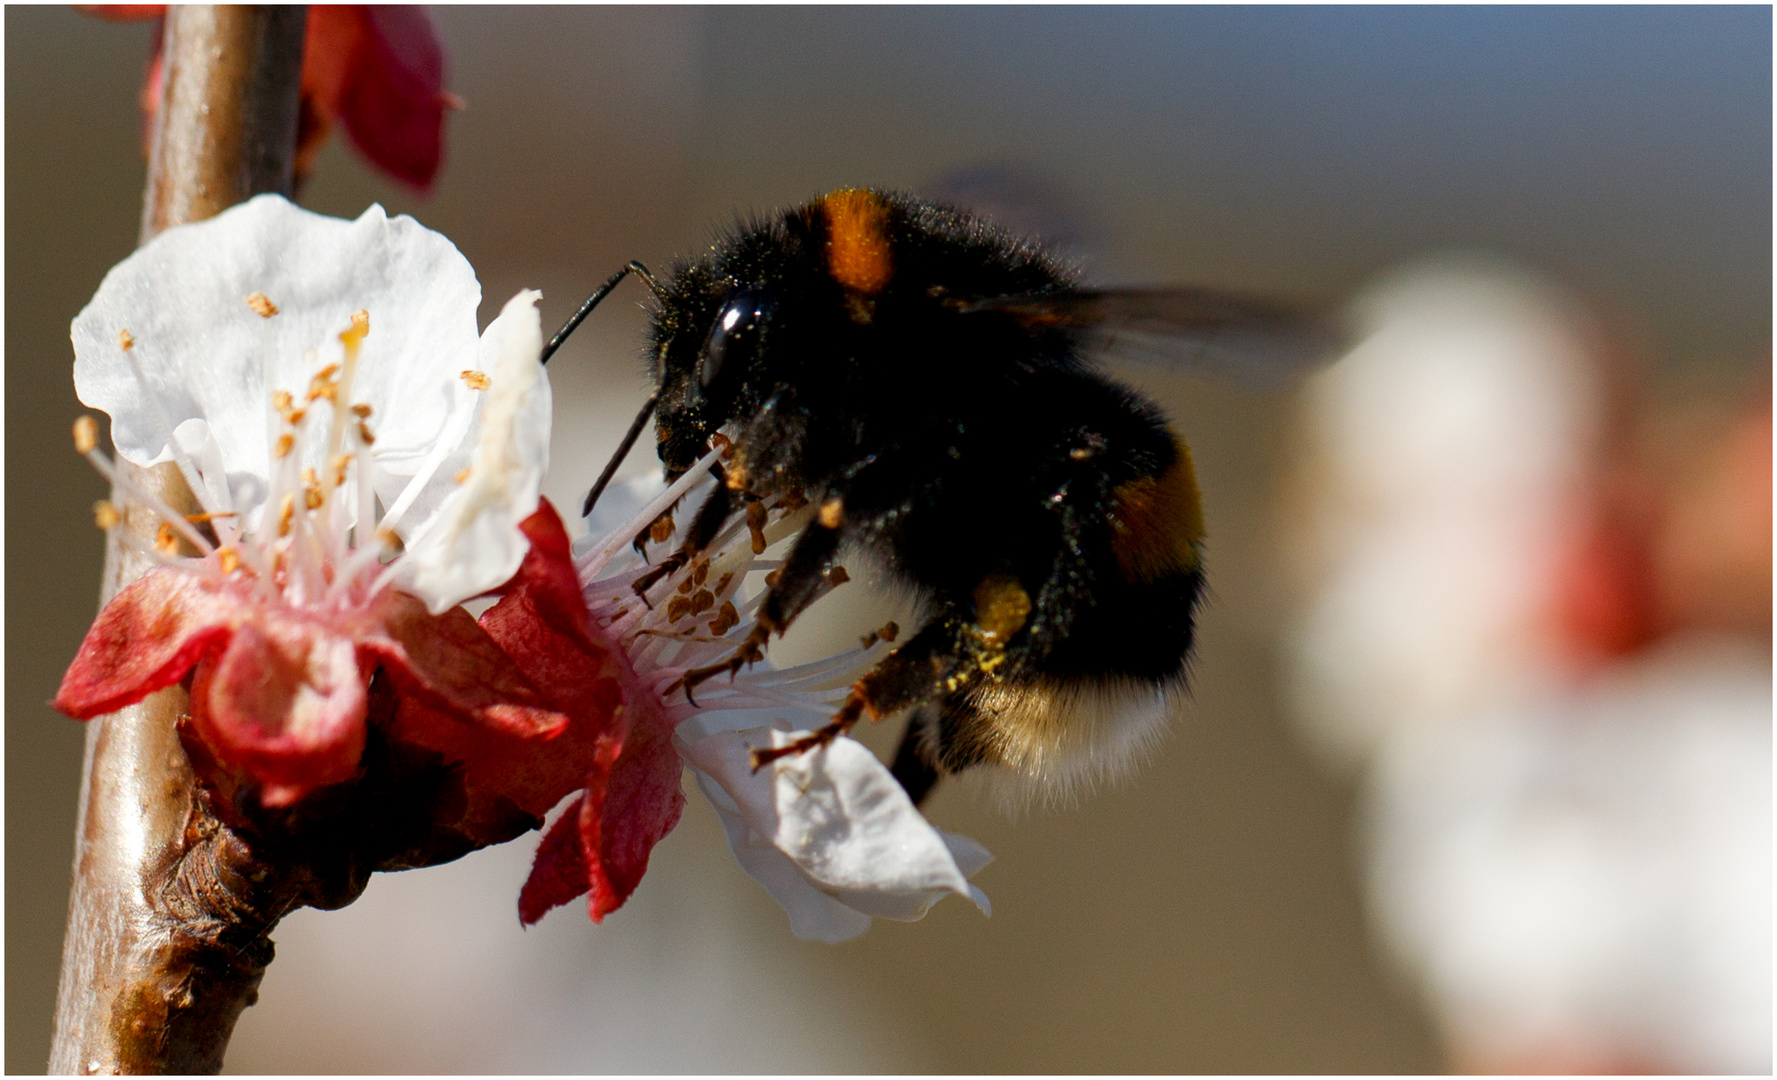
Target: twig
{"x":168,"y":917}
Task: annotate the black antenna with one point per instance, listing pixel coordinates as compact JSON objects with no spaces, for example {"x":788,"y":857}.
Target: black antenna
{"x":623,"y":448}
{"x":641,"y":420}
{"x":592,"y":301}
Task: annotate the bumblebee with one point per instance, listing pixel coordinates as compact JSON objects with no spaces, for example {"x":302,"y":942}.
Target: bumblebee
{"x":928,"y":381}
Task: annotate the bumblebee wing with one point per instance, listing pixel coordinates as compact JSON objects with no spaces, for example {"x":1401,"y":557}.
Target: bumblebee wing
{"x":1256,"y":343}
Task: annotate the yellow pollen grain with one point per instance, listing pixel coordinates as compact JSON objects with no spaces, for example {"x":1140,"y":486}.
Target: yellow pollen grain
{"x":311,"y":490}
{"x":355,"y":334}
{"x":166,"y":541}
{"x":1001,"y":606}
{"x":229,"y":559}
{"x":286,"y":442}
{"x":477,"y":380}
{"x":126,"y":340}
{"x":286,"y":514}
{"x":832,"y":512}
{"x":261,"y":304}
{"x":325,"y":384}
{"x":105,"y":514}
{"x":86,"y":435}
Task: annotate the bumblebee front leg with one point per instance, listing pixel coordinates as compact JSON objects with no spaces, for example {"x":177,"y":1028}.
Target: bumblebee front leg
{"x":709,"y":521}
{"x":807,"y":574}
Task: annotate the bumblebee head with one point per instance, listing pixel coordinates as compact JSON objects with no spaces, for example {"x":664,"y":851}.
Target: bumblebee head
{"x":710,"y":357}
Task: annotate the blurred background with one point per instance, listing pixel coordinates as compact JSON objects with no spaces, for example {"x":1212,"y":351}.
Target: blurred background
{"x":1477,"y":774}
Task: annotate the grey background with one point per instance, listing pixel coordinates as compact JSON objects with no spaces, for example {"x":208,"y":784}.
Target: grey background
{"x":1203,"y":918}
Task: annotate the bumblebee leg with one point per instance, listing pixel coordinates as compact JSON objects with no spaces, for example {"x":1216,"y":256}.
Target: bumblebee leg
{"x":807,"y":574}
{"x":916,"y":775}
{"x":704,"y":527}
{"x":929,"y":665}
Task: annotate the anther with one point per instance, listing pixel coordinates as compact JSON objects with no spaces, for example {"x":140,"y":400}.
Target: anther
{"x":756,"y":526}
{"x":281,"y":401}
{"x":228,"y":559}
{"x":463,"y":473}
{"x":86,"y":435}
{"x":361,"y":321}
{"x":476,"y":380}
{"x":126,"y":340}
{"x":364,"y":434}
{"x":166,"y":541}
{"x":361,"y":411}
{"x":106,"y":515}
{"x":261,"y":305}
{"x":286,"y":513}
{"x":286,"y":442}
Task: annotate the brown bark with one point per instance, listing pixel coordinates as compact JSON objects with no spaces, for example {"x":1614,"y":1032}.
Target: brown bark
{"x":166,"y":939}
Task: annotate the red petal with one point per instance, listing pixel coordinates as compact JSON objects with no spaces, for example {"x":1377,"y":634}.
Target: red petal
{"x":394,"y":99}
{"x":558,"y":874}
{"x":636,"y":806}
{"x":454,"y":661}
{"x":548,"y":577}
{"x":286,"y":703}
{"x":146,"y":639}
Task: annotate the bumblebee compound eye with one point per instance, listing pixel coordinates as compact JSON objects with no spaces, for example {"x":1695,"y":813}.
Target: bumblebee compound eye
{"x":735,"y":337}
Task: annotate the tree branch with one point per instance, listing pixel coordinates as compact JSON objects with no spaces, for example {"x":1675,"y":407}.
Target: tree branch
{"x":167,"y":921}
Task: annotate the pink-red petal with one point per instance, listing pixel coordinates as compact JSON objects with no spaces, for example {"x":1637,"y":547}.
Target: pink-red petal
{"x":286,"y":703}
{"x":146,"y":639}
{"x":635,"y":808}
{"x":453,"y":660}
{"x":394,"y":103}
{"x":559,"y":872}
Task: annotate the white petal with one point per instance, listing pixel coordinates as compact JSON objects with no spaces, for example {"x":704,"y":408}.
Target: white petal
{"x":813,"y":914}
{"x":203,"y":353}
{"x":474,"y":543}
{"x":840,"y":819}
